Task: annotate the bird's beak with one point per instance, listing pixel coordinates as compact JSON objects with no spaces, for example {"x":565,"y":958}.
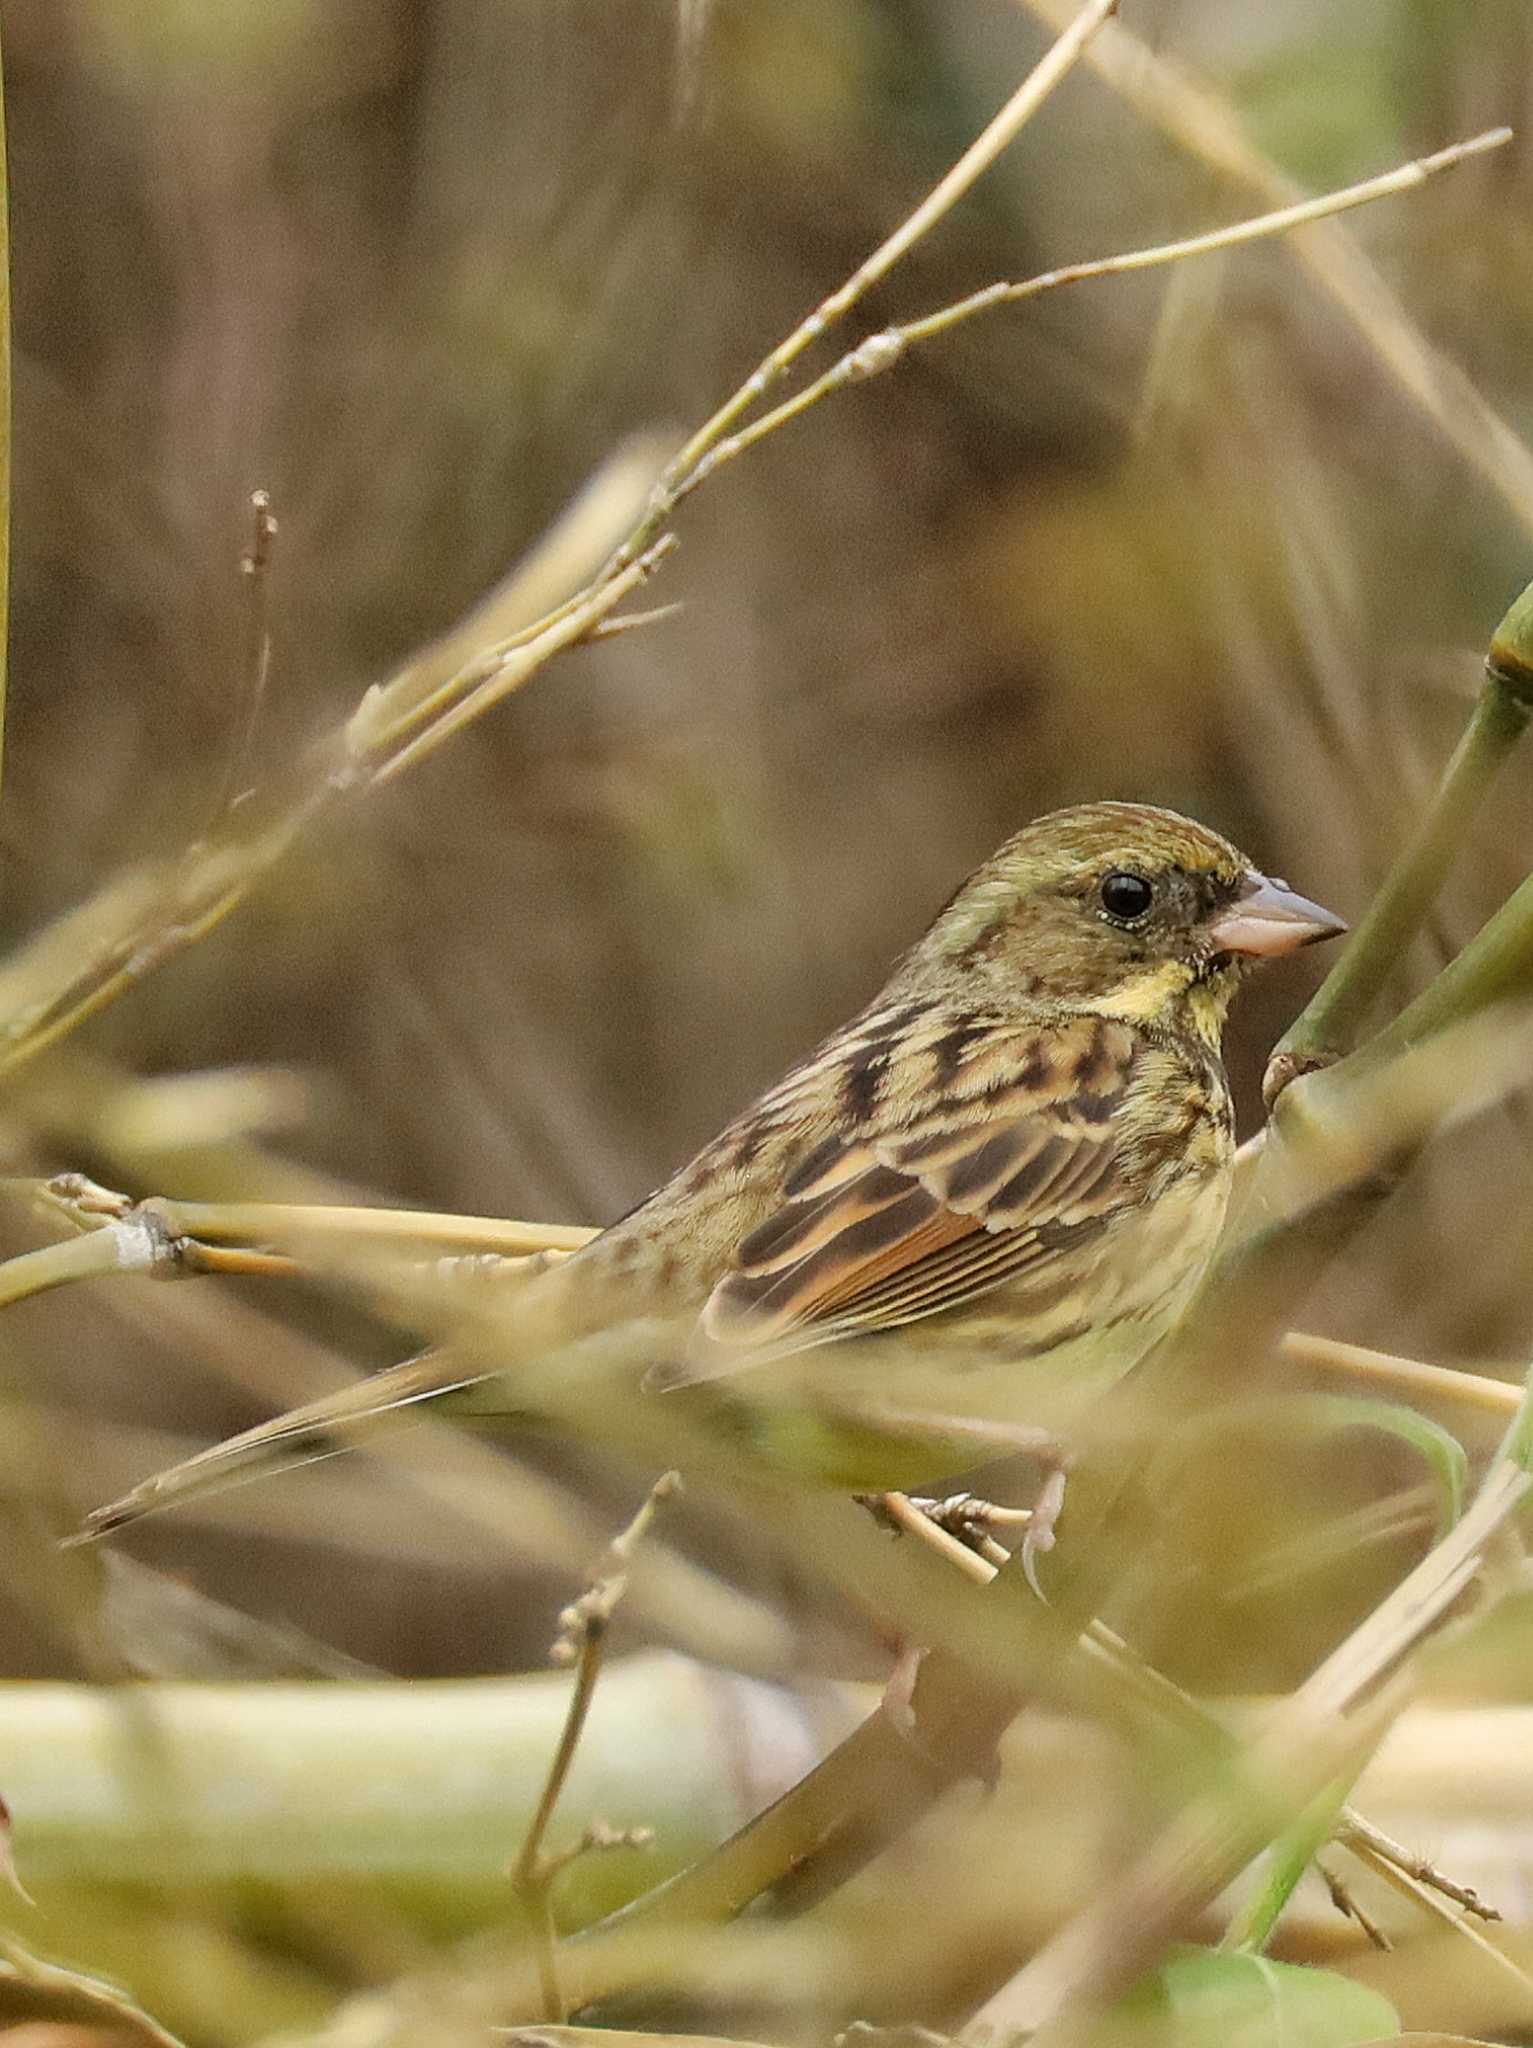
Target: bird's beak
{"x":1268,"y":919}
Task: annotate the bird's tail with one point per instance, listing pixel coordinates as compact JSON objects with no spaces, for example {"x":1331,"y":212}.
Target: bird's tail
{"x":319,"y":1429}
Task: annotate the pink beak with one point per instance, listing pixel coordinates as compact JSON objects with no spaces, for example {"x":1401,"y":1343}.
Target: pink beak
{"x":1269,"y":919}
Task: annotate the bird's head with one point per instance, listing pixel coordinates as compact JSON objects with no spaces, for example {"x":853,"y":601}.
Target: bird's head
{"x":1122,"y":909}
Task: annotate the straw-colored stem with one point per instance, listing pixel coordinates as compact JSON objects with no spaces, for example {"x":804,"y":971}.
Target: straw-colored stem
{"x":1203,"y":125}
{"x":996,"y":136}
{"x":57,"y":1265}
{"x":294,"y":1223}
{"x":500,"y":678}
{"x":881,"y":351}
{"x":1412,"y":1377}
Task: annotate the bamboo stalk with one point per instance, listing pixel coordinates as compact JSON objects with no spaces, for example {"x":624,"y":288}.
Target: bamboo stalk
{"x":436,"y":1782}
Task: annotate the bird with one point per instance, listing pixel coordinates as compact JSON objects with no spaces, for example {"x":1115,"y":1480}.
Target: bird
{"x":938,"y":1239}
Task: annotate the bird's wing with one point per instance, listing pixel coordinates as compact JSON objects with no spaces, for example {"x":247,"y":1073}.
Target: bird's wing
{"x":894,"y":1218}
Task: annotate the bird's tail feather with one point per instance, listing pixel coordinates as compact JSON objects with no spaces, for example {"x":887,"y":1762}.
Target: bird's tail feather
{"x":319,"y":1429}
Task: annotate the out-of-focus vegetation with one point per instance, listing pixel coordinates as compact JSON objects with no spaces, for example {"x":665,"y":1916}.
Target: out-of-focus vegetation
{"x":1230,"y":536}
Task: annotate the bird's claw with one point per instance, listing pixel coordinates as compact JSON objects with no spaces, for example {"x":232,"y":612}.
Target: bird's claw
{"x":864,"y":2034}
{"x":1041,"y":1525}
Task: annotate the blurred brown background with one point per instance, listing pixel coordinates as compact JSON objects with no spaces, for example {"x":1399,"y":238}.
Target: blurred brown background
{"x":416,"y":269}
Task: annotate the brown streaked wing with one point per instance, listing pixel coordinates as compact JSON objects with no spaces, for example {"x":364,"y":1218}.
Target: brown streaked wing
{"x":884,"y":1226}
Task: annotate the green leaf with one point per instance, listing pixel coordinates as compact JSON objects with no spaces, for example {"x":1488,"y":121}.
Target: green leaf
{"x":1518,"y":1442}
{"x":1204,"y":1998}
{"x":1442,"y":1452}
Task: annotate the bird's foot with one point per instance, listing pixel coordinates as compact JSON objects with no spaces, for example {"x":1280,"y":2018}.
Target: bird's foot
{"x":1039,"y":1537}
{"x":971,"y":1520}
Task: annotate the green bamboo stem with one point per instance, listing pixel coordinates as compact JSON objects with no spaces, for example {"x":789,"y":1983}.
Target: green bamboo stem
{"x":1328,"y":1028}
{"x":432,"y":1783}
{"x":1495,"y":967}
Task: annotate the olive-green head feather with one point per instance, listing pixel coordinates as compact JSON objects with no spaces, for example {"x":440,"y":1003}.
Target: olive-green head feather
{"x":1118,"y":908}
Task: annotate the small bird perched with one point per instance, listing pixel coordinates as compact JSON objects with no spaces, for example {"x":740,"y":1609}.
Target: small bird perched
{"x":955,"y":1224}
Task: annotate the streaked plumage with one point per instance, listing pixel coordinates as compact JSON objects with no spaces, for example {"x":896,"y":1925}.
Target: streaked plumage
{"x":974,"y":1207}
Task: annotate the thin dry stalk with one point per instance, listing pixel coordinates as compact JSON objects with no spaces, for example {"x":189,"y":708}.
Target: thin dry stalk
{"x":582,"y":1641}
{"x":1411,"y":1377}
{"x":255,"y":571}
{"x":1203,"y":124}
{"x":1424,"y":1895}
{"x":1058,"y":61}
{"x":881,"y":351}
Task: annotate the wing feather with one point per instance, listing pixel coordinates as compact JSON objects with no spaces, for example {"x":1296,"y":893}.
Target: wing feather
{"x":1015,"y":1160}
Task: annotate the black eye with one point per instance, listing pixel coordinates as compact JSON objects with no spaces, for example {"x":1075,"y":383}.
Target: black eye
{"x":1126,"y":897}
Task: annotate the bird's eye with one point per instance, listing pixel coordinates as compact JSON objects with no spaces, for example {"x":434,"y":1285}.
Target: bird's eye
{"x":1126,"y":897}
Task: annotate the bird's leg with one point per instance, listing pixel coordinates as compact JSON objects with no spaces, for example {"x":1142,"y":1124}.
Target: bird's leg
{"x":1041,"y":1522}
{"x":966,"y":1520}
{"x":971,"y":1521}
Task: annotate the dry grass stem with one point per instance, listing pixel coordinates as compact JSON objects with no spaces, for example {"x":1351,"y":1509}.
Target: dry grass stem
{"x":257,"y":1224}
{"x":881,"y":351}
{"x":1381,"y":1850}
{"x":999,"y":133}
{"x":255,"y":570}
{"x":1346,"y":1902}
{"x":1410,"y":1377}
{"x":1205,"y":126}
{"x":1434,"y":1900}
{"x":581,"y":1641}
